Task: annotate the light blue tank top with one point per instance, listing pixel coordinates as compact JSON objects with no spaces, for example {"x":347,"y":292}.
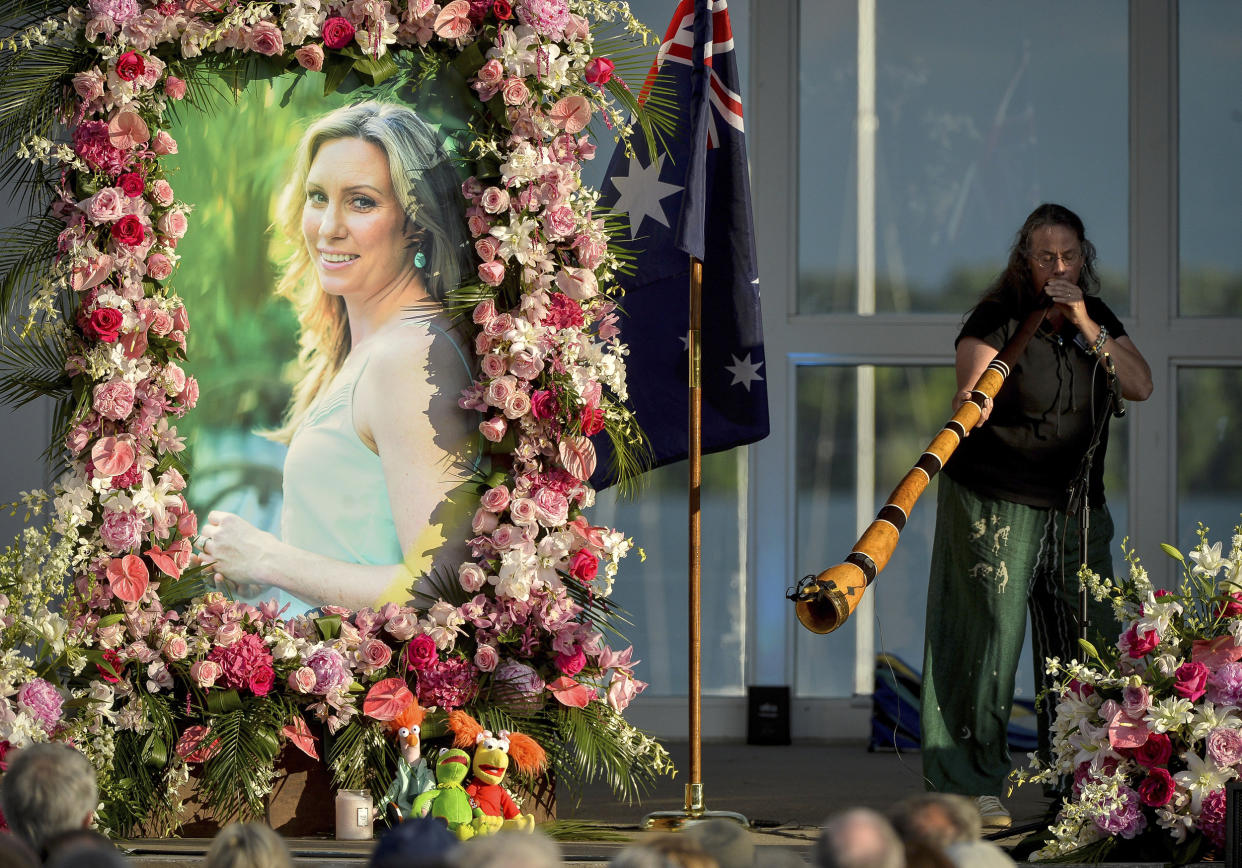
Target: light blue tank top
{"x":335,"y":493}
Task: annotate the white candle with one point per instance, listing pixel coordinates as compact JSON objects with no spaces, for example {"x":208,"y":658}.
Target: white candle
{"x":354,"y":811}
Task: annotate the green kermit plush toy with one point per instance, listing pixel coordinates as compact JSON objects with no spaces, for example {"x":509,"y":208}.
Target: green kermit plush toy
{"x":448,"y":800}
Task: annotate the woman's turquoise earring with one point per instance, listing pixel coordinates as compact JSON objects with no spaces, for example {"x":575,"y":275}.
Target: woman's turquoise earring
{"x":420,"y":259}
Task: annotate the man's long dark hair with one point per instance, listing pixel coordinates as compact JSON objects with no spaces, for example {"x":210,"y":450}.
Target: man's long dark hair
{"x":1015,"y":287}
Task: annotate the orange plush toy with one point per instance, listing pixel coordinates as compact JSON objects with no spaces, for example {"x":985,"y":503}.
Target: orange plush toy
{"x":493,"y":754}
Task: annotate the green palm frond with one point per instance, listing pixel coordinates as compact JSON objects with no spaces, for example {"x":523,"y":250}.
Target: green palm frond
{"x":18,"y":14}
{"x":194,"y":582}
{"x":33,"y":94}
{"x":362,"y":757}
{"x":33,"y":368}
{"x":580,"y":830}
{"x":601,"y":750}
{"x":633,"y":55}
{"x":24,"y":251}
{"x":236,"y":780}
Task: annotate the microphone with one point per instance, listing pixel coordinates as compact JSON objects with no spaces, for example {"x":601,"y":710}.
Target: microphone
{"x":1119,"y":406}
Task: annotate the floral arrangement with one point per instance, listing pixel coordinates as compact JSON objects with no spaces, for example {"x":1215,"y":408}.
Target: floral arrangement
{"x":109,"y":636}
{"x":1149,"y":731}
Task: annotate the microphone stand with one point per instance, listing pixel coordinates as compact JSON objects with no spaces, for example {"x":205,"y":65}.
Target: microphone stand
{"x":1077,"y":499}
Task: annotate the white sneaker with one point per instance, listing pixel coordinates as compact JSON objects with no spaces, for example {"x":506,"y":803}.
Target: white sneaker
{"x":993,"y":814}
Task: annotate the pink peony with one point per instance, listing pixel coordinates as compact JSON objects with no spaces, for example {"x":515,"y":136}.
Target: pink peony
{"x":42,"y":701}
{"x":1224,"y":686}
{"x":121,"y":530}
{"x":1224,"y":746}
{"x":330,"y":670}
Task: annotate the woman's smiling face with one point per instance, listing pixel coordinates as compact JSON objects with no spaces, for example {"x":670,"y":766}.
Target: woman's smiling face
{"x":355,"y":229}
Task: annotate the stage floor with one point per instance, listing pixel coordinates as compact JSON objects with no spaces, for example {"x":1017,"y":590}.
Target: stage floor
{"x":785,"y":791}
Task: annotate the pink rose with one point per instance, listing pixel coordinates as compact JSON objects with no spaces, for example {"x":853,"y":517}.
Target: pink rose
{"x":174,"y":379}
{"x":599,"y":70}
{"x":493,"y":365}
{"x":505,"y":536}
{"x":181,"y":319}
{"x":1224,"y":746}
{"x":484,"y":312}
{"x":261,"y":679}
{"x":374,"y":653}
{"x":89,"y":85}
{"x":1135,"y":700}
{"x":523,"y":511}
{"x":265,"y":38}
{"x":227,"y":634}
{"x":486,"y":658}
{"x":495,"y":200}
{"x":162,"y":192}
{"x":402,"y":626}
{"x":302,"y":680}
{"x":493,"y":429}
{"x":492,"y":273}
{"x":476,"y":221}
{"x":161,"y":321}
{"x":590,"y":252}
{"x":113,"y":400}
{"x":174,"y":224}
{"x":498,"y":391}
{"x":514,"y":91}
{"x":106,"y":206}
{"x":486,"y":248}
{"x":491,"y":73}
{"x":471,"y":577}
{"x":484,"y":522}
{"x":584,"y":566}
{"x":571,"y":664}
{"x":174,"y":88}
{"x":525,"y":365}
{"x":517,"y":405}
{"x":1191,"y":680}
{"x":498,"y":325}
{"x":114,"y":455}
{"x":577,"y":29}
{"x":159,"y":267}
{"x":337,"y":32}
{"x":496,"y":499}
{"x":164,"y":144}
{"x":622,"y":690}
{"x":310,"y":57}
{"x":176,"y":648}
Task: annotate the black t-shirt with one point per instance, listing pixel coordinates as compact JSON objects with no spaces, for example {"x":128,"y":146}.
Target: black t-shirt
{"x":1031,"y":447}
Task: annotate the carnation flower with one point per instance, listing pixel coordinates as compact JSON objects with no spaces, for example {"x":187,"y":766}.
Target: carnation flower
{"x":1224,"y":746}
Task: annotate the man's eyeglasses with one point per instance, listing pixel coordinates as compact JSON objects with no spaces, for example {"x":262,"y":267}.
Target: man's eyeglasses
{"x":1049,"y":260}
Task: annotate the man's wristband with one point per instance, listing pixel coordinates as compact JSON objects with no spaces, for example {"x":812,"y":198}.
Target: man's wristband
{"x":1098,"y":347}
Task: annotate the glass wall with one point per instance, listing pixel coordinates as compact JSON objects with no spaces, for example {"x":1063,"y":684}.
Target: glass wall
{"x":1210,"y":140}
{"x":1209,"y":465}
{"x":970,"y":115}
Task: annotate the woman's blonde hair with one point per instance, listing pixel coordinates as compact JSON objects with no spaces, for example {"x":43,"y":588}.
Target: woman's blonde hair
{"x":428,"y":189}
{"x":248,"y":845}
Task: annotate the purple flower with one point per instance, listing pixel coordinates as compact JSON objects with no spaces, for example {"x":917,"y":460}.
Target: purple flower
{"x":1212,"y":817}
{"x":42,"y":701}
{"x":1224,"y":746}
{"x":1126,"y":819}
{"x":1224,"y":686}
{"x":330,"y":670}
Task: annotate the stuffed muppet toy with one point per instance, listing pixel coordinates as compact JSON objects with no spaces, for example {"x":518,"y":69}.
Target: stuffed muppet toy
{"x":413,"y":777}
{"x":449,"y":801}
{"x":493,"y":754}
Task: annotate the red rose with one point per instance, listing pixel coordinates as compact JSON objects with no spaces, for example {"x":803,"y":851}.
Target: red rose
{"x":501,"y":9}
{"x":421,"y":652}
{"x":584,"y":566}
{"x":261,"y":679}
{"x":337,"y":32}
{"x":1140,"y":644}
{"x":1154,"y":752}
{"x":128,"y":230}
{"x":543,"y":404}
{"x":1191,"y":680}
{"x":129,"y":66}
{"x":599,"y":70}
{"x":132,"y":184}
{"x":592,"y":421}
{"x":105,"y":324}
{"x":1157,"y":788}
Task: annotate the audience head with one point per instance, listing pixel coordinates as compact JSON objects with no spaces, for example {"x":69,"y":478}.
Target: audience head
{"x":248,"y":845}
{"x":939,"y":819}
{"x":727,"y":842}
{"x":508,"y":850}
{"x":14,"y":853}
{"x":858,"y":838}
{"x":923,"y":855}
{"x":665,"y":851}
{"x":48,"y":789}
{"x":83,"y":848}
{"x":419,"y":842}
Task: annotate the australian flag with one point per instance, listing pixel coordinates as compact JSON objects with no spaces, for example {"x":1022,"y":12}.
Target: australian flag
{"x":691,"y":198}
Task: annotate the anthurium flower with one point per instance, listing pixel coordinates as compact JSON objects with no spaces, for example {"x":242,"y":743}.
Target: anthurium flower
{"x":128,"y":577}
{"x":300,"y":736}
{"x":571,"y":693}
{"x":571,"y":113}
{"x":453,"y":22}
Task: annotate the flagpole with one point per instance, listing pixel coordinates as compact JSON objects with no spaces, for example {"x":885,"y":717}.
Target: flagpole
{"x":694,"y":811}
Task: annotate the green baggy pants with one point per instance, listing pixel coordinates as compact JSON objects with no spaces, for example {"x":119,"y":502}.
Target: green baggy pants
{"x":991,"y":561}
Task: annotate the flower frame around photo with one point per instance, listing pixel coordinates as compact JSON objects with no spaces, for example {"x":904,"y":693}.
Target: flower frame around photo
{"x":112,"y":637}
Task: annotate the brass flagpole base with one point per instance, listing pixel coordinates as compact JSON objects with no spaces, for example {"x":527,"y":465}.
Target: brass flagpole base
{"x":692,"y":814}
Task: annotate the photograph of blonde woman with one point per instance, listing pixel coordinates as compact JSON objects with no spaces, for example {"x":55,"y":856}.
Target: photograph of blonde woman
{"x":378,"y":448}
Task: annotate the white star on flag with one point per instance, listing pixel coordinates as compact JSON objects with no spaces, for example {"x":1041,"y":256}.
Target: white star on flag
{"x":744,"y":371}
{"x":640,"y":194}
